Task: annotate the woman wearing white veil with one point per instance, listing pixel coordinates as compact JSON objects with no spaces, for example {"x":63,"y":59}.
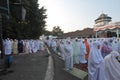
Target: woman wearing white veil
{"x":95,"y":63}
{"x":68,"y":55}
{"x":112,"y":66}
{"x":82,"y":52}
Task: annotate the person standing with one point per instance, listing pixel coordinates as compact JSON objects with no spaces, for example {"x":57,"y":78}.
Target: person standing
{"x":76,"y":51}
{"x":62,"y":50}
{"x":82,"y":52}
{"x":15,"y":46}
{"x":8,"y":53}
{"x":95,"y":63}
{"x":20,"y":46}
{"x":68,"y":56}
{"x":105,"y":49}
{"x":54,"y":45}
{"x":87,"y":49}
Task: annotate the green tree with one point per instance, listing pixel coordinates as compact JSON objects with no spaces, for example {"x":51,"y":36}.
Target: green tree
{"x":47,"y":33}
{"x":57,"y":31}
{"x":32,"y":27}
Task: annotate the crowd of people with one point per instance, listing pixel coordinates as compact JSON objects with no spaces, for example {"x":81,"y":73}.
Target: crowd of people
{"x":14,"y":47}
{"x":100,"y":54}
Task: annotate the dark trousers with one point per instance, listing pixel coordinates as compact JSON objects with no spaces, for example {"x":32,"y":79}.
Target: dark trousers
{"x":8,"y":61}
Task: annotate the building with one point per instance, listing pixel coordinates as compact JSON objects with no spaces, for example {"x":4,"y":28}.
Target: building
{"x":105,"y":28}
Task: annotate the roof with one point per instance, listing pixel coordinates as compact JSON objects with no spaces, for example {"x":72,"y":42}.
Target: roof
{"x":103,"y":16}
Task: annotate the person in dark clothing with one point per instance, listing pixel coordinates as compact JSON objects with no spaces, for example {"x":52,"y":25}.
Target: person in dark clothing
{"x":20,"y":46}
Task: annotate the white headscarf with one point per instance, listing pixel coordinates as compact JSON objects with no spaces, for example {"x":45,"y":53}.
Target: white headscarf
{"x":95,"y":59}
{"x":95,"y":53}
{"x":112,"y":66}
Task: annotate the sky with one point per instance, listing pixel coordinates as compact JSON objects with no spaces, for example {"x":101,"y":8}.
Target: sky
{"x":72,"y":15}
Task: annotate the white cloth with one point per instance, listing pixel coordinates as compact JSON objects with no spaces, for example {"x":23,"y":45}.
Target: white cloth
{"x":69,"y":56}
{"x":54,"y":45}
{"x":8,"y":47}
{"x":82,"y":52}
{"x":95,"y":63}
{"x":112,"y":66}
{"x":76,"y":52}
{"x":115,"y":46}
{"x":62,"y":49}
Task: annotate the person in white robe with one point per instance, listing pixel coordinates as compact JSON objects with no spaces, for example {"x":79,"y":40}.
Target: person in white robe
{"x":115,"y":45}
{"x":54,"y":45}
{"x":68,"y":56}
{"x":38,"y":45}
{"x":82,"y":52}
{"x":112,"y":66}
{"x":35,"y":48}
{"x":95,"y":63}
{"x":110,"y":41}
{"x":76,"y":51}
{"x":32,"y":46}
{"x":48,"y":42}
{"x":62,"y":50}
{"x":42,"y":48}
{"x":27,"y":47}
{"x":105,"y":49}
{"x":15,"y":47}
{"x":118,"y":40}
{"x":8,"y":47}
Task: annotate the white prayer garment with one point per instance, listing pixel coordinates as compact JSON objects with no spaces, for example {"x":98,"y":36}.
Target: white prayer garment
{"x":35,"y":48}
{"x":27,"y":46}
{"x":48,"y":42}
{"x":54,"y":45}
{"x":118,"y":40}
{"x":76,"y":51}
{"x":112,"y":66}
{"x":62,"y":49}
{"x":115,"y":45}
{"x":42,"y":45}
{"x":69,"y":56}
{"x":95,"y":63}
{"x":8,"y":47}
{"x":15,"y":46}
{"x":110,"y":43}
{"x":82,"y":52}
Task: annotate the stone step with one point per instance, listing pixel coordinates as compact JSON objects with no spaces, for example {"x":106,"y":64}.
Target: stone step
{"x":78,"y":73}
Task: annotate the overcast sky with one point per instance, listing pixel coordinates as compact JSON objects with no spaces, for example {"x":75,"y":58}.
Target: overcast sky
{"x":72,"y":15}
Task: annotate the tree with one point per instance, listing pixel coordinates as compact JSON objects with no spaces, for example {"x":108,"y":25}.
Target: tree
{"x":32,"y":27}
{"x":47,"y":33}
{"x":57,"y":31}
